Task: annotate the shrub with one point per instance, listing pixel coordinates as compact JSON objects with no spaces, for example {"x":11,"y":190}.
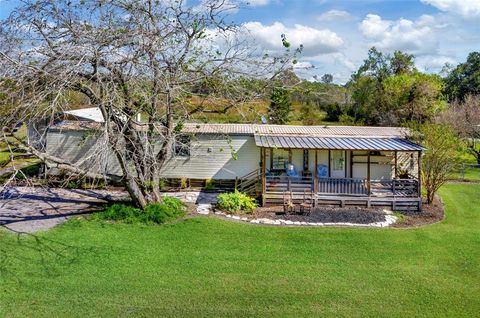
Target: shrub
{"x":120,"y":212}
{"x":209,"y":184}
{"x":183,"y":183}
{"x":173,"y":203}
{"x":334,"y":111}
{"x":236,"y":201}
{"x":159,"y":213}
{"x":154,"y":213}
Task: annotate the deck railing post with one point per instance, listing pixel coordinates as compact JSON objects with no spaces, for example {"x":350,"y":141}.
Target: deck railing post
{"x":315,"y":176}
{"x":368,"y":174}
{"x":419,"y":168}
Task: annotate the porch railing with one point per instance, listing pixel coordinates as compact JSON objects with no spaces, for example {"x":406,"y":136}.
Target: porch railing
{"x":286,"y":183}
{"x":342,"y":186}
{"x":395,"y":187}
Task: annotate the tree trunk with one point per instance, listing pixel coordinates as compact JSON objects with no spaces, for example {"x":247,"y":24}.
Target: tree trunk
{"x":136,"y":194}
{"x":430,"y":196}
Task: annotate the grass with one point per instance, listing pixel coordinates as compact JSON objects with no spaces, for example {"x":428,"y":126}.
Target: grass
{"x":208,"y":267}
{"x":470,"y":174}
{"x":5,"y":152}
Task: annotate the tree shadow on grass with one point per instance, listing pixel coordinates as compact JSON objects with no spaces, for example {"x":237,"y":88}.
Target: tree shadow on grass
{"x":23,"y":255}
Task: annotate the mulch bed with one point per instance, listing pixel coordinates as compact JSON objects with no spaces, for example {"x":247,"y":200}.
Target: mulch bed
{"x":432,"y":213}
{"x":326,"y":214}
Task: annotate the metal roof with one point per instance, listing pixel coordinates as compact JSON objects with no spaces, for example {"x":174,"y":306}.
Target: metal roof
{"x":332,"y":131}
{"x":337,"y":143}
{"x":94,"y":114}
{"x":90,"y":114}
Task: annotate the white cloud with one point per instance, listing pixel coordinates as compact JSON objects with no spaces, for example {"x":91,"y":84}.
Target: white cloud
{"x":465,"y":8}
{"x":315,"y":41}
{"x":413,"y":36}
{"x":433,"y":63}
{"x":257,"y":3}
{"x":334,"y":15}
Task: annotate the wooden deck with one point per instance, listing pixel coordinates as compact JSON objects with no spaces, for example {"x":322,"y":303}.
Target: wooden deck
{"x":398,"y":194}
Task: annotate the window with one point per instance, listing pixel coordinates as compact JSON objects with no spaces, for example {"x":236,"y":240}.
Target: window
{"x":279,"y":159}
{"x":181,"y":146}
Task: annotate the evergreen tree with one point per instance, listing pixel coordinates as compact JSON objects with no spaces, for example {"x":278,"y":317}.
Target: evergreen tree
{"x":280,"y":106}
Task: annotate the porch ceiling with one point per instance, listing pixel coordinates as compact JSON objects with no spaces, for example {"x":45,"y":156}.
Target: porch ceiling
{"x":336,"y":143}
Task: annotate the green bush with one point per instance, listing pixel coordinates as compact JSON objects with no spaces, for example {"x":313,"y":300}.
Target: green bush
{"x":236,"y":202}
{"x":120,"y":212}
{"x":154,"y":213}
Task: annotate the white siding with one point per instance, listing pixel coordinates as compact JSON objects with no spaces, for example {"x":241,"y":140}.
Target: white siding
{"x":211,"y":157}
{"x":381,"y":167}
{"x":297,"y":159}
{"x":80,"y":148}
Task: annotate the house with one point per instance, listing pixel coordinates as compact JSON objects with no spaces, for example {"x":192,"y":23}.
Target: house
{"x":346,"y":165}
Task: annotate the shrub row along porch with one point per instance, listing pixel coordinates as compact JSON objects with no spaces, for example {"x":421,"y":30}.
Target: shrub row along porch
{"x":357,"y":171}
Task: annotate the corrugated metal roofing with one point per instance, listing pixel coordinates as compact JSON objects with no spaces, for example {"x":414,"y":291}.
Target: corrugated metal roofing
{"x":251,"y":129}
{"x":94,"y":114}
{"x":338,"y":143}
{"x":90,"y":114}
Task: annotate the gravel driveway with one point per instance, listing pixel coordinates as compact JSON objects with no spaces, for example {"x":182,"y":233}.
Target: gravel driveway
{"x":28,"y":209}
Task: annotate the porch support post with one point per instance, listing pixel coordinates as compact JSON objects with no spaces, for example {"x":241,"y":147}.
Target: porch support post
{"x":315,"y":175}
{"x":345,"y":163}
{"x":329,"y":163}
{"x":351,"y":163}
{"x":419,"y":168}
{"x":264,"y":178}
{"x":368,"y":174}
{"x":396,"y":162}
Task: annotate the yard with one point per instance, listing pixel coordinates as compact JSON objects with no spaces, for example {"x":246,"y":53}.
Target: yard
{"x":209,"y":267}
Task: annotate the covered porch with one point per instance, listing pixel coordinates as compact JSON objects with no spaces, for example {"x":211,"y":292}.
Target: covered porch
{"x":340,"y":170}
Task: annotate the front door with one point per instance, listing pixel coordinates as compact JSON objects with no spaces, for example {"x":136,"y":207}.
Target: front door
{"x":337,"y":163}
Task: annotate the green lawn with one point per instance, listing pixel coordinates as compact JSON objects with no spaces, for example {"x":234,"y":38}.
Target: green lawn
{"x":470,"y":174}
{"x":209,"y":267}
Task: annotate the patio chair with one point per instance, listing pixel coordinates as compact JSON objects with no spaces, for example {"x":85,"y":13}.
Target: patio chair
{"x":306,"y":206}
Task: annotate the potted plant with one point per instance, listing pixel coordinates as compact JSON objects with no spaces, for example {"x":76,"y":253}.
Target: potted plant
{"x":403,"y":172}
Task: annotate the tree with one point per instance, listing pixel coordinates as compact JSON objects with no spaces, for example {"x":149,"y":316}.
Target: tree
{"x":401,"y":63}
{"x":388,"y":90}
{"x":412,"y":97}
{"x":327,"y":78}
{"x":127,"y":57}
{"x":376,"y":65}
{"x":440,"y":158}
{"x":279,"y":109}
{"x":464,"y":118}
{"x":464,"y":79}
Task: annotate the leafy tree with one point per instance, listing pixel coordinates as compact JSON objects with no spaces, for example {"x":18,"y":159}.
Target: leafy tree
{"x":412,"y":97}
{"x":327,"y":78}
{"x":334,"y":111}
{"x":440,"y":158}
{"x":401,"y":63}
{"x":280,"y":106}
{"x":376,"y":65}
{"x":127,"y":57}
{"x":464,"y":79}
{"x":388,"y":90}
{"x":464,"y":118}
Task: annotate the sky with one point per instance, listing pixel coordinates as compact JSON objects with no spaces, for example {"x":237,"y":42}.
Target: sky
{"x":336,"y":34}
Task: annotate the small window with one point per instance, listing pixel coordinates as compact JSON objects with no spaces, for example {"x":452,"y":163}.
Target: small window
{"x":279,"y":159}
{"x":181,"y":146}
